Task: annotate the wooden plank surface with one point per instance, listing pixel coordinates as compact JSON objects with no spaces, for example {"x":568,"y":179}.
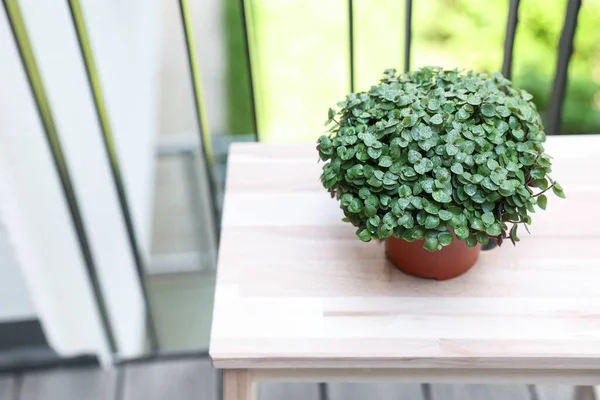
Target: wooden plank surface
{"x":69,"y":384}
{"x":7,"y":387}
{"x":183,"y":379}
{"x":295,"y":286}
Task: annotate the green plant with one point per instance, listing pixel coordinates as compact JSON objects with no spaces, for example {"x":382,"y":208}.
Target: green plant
{"x":433,"y":150}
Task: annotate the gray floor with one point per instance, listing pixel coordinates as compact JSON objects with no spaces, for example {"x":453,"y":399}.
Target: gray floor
{"x":195,"y":379}
{"x":182,"y":308}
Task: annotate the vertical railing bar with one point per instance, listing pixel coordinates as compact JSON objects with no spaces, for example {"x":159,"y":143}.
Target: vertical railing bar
{"x":407,"y":34}
{"x":111,"y":153}
{"x":219,"y":384}
{"x":351,"y":43}
{"x":426,"y":391}
{"x":323,"y":392}
{"x":533,"y":393}
{"x":249,"y":64}
{"x":565,"y":50}
{"x":509,"y":40}
{"x":205,"y":139}
{"x":38,"y":91}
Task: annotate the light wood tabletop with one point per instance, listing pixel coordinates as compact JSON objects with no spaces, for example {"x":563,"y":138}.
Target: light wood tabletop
{"x":297,"y":291}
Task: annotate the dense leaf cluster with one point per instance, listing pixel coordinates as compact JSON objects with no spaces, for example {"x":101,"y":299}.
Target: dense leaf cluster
{"x":434,"y":151}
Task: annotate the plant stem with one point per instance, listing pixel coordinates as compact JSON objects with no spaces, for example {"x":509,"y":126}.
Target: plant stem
{"x":543,"y":191}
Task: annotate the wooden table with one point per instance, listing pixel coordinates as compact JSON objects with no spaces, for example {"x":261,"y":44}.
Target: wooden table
{"x":300,"y":298}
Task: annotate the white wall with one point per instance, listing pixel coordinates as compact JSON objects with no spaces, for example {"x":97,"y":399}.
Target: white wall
{"x":36,"y":218}
{"x":62,"y":69}
{"x":15,"y":303}
{"x":125,"y":37}
{"x":177,"y":111}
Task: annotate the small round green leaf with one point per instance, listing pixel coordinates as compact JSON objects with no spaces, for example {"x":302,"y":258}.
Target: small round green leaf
{"x":558,"y":191}
{"x":445,"y":215}
{"x":364,"y":192}
{"x":457,"y":168}
{"x":488,"y":110}
{"x":423,"y":166}
{"x":482,"y":237}
{"x":477,"y":224}
{"x":385,"y":161}
{"x":488,"y":218}
{"x":417,"y":202}
{"x":406,"y":221}
{"x":441,"y":196}
{"x":364,"y":235}
{"x":433,"y":105}
{"x":432,"y":222}
{"x":373,"y":153}
{"x":436,"y":119}
{"x":541,"y":183}
{"x":474,"y":100}
{"x":445,"y":238}
{"x":370,"y":210}
{"x":427,"y":185}
{"x":476,"y":178}
{"x":494,"y":229}
{"x":542,"y":201}
{"x":374,"y":220}
{"x":418,"y":233}
{"x":355,"y":206}
{"x":471,"y":241}
{"x":470,"y":189}
{"x":404,"y":191}
{"x":451,"y":149}
{"x":431,"y":244}
{"x":374,"y":182}
{"x":431,"y":208}
{"x":414,"y":156}
{"x":461,"y":232}
{"x":492,"y":164}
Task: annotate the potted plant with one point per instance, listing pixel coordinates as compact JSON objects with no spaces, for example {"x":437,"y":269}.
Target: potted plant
{"x":437,"y":162}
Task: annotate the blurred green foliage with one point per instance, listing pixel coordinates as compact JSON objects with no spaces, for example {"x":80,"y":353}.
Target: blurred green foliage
{"x":301,"y":55}
{"x":239,"y":99}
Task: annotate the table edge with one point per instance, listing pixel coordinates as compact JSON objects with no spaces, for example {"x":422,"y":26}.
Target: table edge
{"x":521,"y":363}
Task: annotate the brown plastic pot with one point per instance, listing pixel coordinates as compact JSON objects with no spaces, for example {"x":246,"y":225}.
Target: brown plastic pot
{"x":450,"y":262}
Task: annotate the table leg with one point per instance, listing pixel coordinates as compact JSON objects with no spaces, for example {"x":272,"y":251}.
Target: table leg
{"x":238,"y":385}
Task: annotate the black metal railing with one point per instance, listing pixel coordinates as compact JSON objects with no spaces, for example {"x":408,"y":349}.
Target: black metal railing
{"x":351,"y":44}
{"x":565,"y":50}
{"x":509,"y":40}
{"x":407,"y":34}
